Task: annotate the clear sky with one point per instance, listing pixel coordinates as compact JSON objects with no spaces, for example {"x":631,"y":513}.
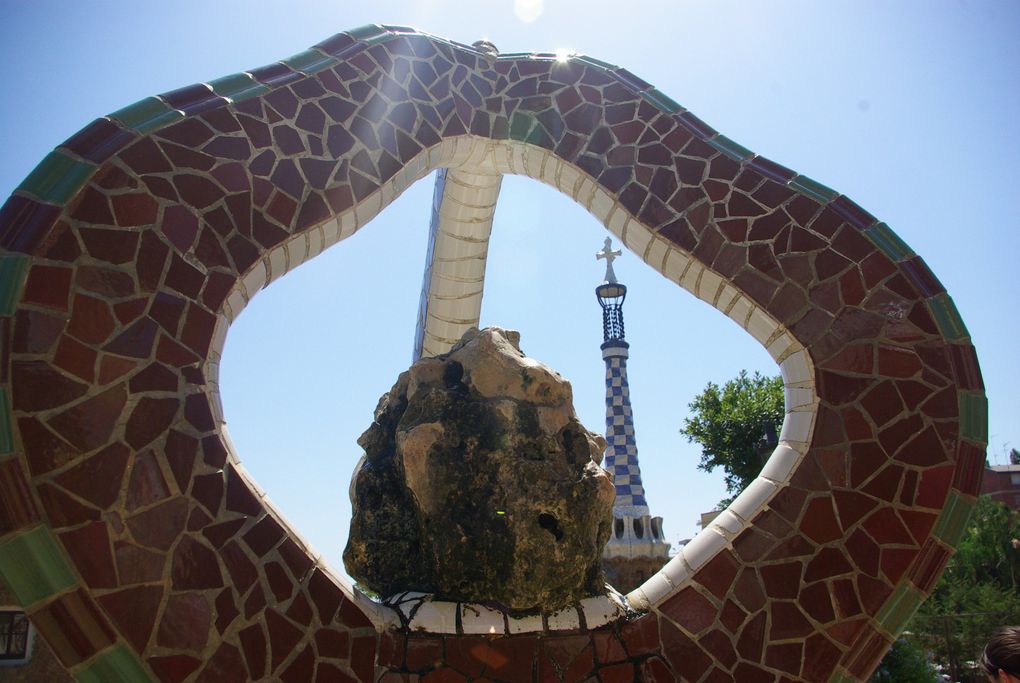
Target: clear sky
{"x":909,"y":108}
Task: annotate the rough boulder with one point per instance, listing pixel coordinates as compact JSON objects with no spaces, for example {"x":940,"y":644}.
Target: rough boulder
{"x":479,"y":483}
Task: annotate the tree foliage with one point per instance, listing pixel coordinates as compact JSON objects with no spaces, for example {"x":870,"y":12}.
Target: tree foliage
{"x":729,"y":424}
{"x":979,"y":591}
{"x":905,"y":662}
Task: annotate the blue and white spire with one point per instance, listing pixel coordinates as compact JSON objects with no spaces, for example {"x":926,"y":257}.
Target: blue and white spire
{"x":636,"y":547}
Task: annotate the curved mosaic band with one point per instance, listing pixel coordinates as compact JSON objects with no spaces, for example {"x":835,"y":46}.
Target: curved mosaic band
{"x":142,"y":550}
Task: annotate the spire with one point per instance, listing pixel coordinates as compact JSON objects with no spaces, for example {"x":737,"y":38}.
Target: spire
{"x":636,"y":548}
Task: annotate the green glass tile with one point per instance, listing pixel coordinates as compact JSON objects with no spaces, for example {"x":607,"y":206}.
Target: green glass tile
{"x":888,"y":241}
{"x":57,"y":178}
{"x":730,"y":148}
{"x":974,"y":416}
{"x":367,"y":31}
{"x":520,"y":124}
{"x":514,"y":55}
{"x":6,"y":439}
{"x":310,"y":62}
{"x":661,"y":101}
{"x":116,"y":665}
{"x":147,"y":115}
{"x":34,"y":567}
{"x":896,"y":612}
{"x":947,"y":317}
{"x":813,"y":189}
{"x":13,"y":268}
{"x":237,"y":87}
{"x":591,"y":61}
{"x":952,"y":522}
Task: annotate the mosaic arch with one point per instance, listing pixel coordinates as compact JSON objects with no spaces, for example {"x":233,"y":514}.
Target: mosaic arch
{"x":143,"y":551}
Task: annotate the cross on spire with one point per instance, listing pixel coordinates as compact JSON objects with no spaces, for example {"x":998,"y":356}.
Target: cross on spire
{"x":608,"y":254}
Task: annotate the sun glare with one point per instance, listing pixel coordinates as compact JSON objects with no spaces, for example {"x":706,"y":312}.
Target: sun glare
{"x":563,"y":54}
{"x":529,"y":10}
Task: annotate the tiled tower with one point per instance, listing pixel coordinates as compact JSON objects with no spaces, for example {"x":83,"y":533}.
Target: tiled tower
{"x":636,"y":548}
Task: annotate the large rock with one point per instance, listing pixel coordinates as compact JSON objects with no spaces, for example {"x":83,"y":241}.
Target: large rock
{"x":479,"y":483}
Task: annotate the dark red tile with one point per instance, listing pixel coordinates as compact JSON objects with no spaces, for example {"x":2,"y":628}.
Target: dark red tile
{"x":691,"y":610}
{"x":89,"y":548}
{"x":160,"y":526}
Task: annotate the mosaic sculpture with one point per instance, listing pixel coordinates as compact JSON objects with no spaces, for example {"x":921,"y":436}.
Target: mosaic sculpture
{"x":125,"y":517}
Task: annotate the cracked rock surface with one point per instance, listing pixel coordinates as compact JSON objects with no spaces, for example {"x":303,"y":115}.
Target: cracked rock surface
{"x":479,"y":483}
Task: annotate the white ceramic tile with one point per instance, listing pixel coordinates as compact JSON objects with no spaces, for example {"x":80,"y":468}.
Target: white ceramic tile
{"x":277,"y":262}
{"x":599,"y":611}
{"x":761,"y":326}
{"x":690,"y":279}
{"x":780,"y":464}
{"x":726,"y":296}
{"x":529,"y":624}
{"x":617,"y":218}
{"x":657,"y":588}
{"x":708,"y":287}
{"x":315,"y":239}
{"x":478,"y":619}
{"x":655,"y":253}
{"x":727,"y":524}
{"x":255,"y":280}
{"x":236,"y":302}
{"x":702,"y":548}
{"x":564,"y":620}
{"x":752,"y":499}
{"x":638,"y":600}
{"x":740,"y":310}
{"x":676,"y":263}
{"x":435,"y":616}
{"x":780,"y":346}
{"x":795,"y":368}
{"x":637,"y":237}
{"x":797,"y":427}
{"x":346,"y":226}
{"x":799,"y":397}
{"x":368,"y":209}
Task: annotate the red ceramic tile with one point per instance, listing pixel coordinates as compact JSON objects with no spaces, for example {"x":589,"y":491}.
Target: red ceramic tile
{"x":253,"y":644}
{"x":194,"y":566}
{"x":173,"y":668}
{"x":225,"y":666}
{"x":89,"y":548}
{"x":73,"y":627}
{"x":17,"y":508}
{"x":226,"y":609}
{"x":691,"y":610}
{"x":133,"y":612}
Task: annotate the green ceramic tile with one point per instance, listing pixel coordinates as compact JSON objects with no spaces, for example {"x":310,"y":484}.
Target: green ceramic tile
{"x":591,"y":61}
{"x":952,"y":521}
{"x":371,"y":34}
{"x":116,"y":665}
{"x":896,"y":612}
{"x":813,"y":189}
{"x":147,"y":115}
{"x":13,"y":269}
{"x":238,"y":87}
{"x":947,"y":317}
{"x":974,"y":416}
{"x":34,"y":566}
{"x":6,"y":439}
{"x":730,"y":148}
{"x":57,"y":178}
{"x":888,"y":241}
{"x":661,"y":101}
{"x":520,"y":124}
{"x":310,"y":62}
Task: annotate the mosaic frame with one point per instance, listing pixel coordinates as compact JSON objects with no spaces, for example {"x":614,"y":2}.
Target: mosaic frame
{"x":129,"y":250}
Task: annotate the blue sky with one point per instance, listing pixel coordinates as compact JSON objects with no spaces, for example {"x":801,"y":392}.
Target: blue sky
{"x":907,"y":107}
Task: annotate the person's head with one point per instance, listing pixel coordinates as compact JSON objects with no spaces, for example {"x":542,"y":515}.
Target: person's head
{"x":1001,"y":658}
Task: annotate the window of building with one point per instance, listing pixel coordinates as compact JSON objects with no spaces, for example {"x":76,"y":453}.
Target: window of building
{"x":14,"y":636}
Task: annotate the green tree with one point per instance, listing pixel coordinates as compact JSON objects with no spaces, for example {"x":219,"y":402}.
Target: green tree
{"x":730,"y":424}
{"x":905,"y":662}
{"x":979,"y":591}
